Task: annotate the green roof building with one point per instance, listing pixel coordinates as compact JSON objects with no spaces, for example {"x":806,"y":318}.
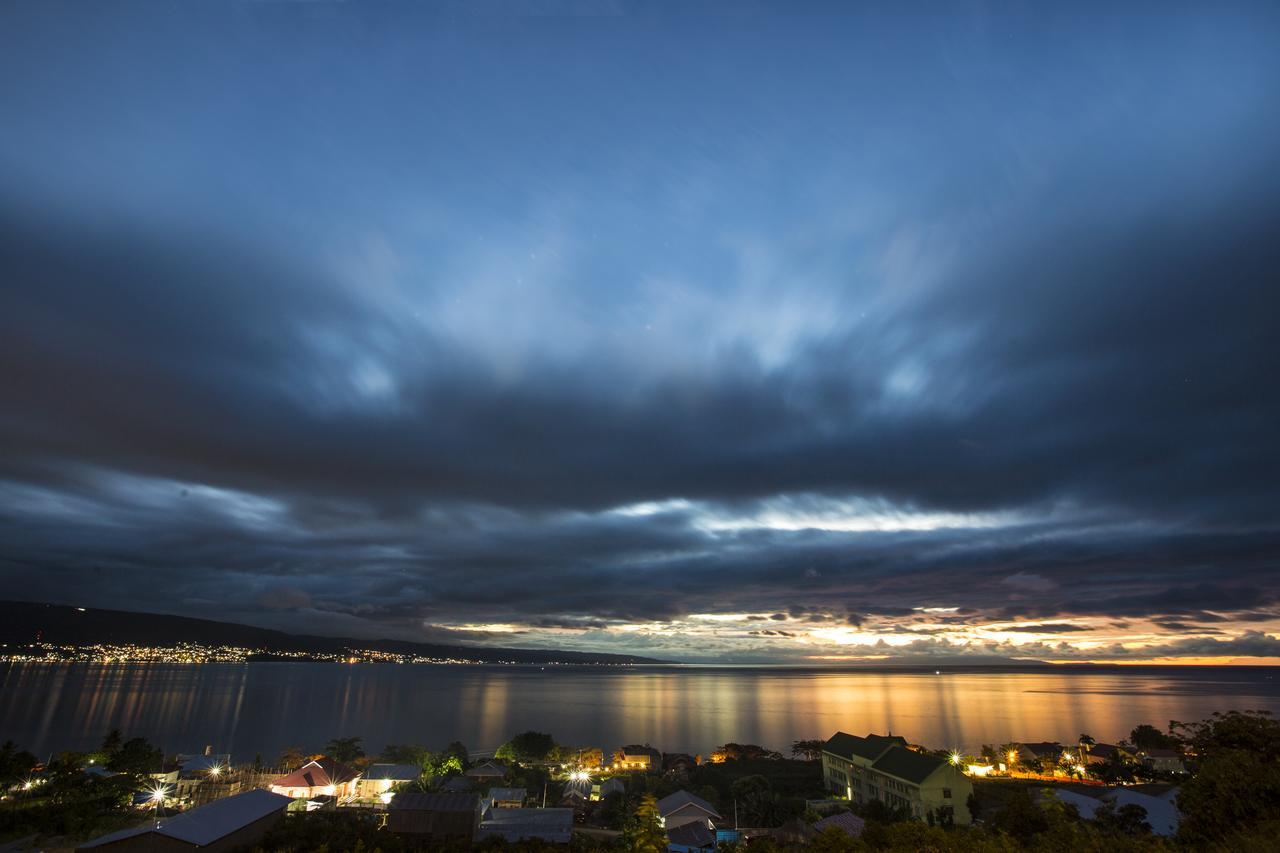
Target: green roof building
{"x":883,"y":767}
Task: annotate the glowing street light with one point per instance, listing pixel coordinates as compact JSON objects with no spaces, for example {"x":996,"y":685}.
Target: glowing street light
{"x":955,"y":758}
{"x":215,"y":770}
{"x":158,"y":794}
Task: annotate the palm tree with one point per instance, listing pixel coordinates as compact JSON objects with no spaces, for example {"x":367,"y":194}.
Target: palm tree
{"x":1086,"y":743}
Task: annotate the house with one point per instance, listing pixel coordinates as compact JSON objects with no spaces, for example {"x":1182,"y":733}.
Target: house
{"x":576,"y":794}
{"x":1101,"y":753}
{"x":434,"y":817}
{"x":682,"y":807}
{"x":1159,"y":802}
{"x":488,"y":771}
{"x":692,"y":837}
{"x":507,"y":798}
{"x":377,"y":781}
{"x":201,"y":766}
{"x":678,"y":763}
{"x":234,"y":823}
{"x":1164,"y":760}
{"x":320,"y":777}
{"x":457,"y":785}
{"x":847,"y":822}
{"x":1031,"y":753}
{"x":878,"y":767}
{"x":613,"y":785}
{"x":553,"y":826}
{"x":643,"y":758}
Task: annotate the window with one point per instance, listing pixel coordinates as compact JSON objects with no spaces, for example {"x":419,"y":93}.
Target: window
{"x":946,"y":793}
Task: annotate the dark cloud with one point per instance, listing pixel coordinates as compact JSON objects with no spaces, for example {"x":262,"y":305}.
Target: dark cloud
{"x":1037,"y":383}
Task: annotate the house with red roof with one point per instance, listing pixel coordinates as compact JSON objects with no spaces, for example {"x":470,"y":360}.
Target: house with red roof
{"x":322,"y":777}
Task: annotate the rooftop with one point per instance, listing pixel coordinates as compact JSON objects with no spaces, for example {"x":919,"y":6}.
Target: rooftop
{"x":555,"y":825}
{"x":680,"y":799}
{"x":870,"y":747}
{"x":395,"y":772}
{"x":435,"y":802}
{"x":907,"y":764}
{"x":207,"y":824}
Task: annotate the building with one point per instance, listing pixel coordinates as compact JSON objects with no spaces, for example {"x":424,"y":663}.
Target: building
{"x":434,"y":817}
{"x":847,"y":822}
{"x":1032,"y":754}
{"x":235,"y":823}
{"x":641,"y":758}
{"x":691,"y":838}
{"x":678,"y":763}
{"x":377,"y":781}
{"x":1101,"y":753}
{"x":882,"y":768}
{"x":613,"y":785}
{"x":682,"y":807}
{"x":507,"y":798}
{"x":553,"y":826}
{"x":322,"y":777}
{"x":1158,"y":801}
{"x":1164,"y":760}
{"x":489,"y":771}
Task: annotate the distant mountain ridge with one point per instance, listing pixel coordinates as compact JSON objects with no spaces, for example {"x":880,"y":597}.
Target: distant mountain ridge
{"x":21,"y":622}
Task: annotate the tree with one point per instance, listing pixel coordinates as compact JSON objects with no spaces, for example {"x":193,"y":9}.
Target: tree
{"x":111,"y":743}
{"x":136,"y":756}
{"x":344,"y":749}
{"x":809,"y":750}
{"x":527,"y":747}
{"x":408,"y":754}
{"x":1129,"y":819}
{"x":15,"y":764}
{"x":833,"y":839}
{"x":644,"y":832}
{"x":1020,"y":818}
{"x":755,"y":800}
{"x":1146,"y":736}
{"x":291,"y":758}
{"x":456,"y":750}
{"x":1237,"y":784}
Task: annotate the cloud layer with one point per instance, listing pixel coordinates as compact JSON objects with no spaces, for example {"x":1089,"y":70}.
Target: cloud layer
{"x":641,"y":343}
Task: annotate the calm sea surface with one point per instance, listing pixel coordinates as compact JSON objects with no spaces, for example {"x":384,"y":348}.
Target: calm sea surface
{"x":259,"y":708}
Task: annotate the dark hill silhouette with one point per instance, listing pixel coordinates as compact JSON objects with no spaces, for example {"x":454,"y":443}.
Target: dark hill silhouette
{"x":25,"y":622}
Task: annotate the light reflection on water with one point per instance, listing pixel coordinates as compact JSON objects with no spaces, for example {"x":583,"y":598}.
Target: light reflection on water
{"x":260,"y":708}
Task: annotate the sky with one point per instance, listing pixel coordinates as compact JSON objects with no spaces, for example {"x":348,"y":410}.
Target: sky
{"x":711,"y":332}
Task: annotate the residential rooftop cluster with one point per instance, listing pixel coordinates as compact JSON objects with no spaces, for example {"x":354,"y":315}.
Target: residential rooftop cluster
{"x":844,"y":790}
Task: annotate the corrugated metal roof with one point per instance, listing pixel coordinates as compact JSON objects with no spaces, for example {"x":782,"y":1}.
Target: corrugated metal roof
{"x":554,"y":825}
{"x":394,"y":772}
{"x":207,"y":824}
{"x":435,"y":802}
